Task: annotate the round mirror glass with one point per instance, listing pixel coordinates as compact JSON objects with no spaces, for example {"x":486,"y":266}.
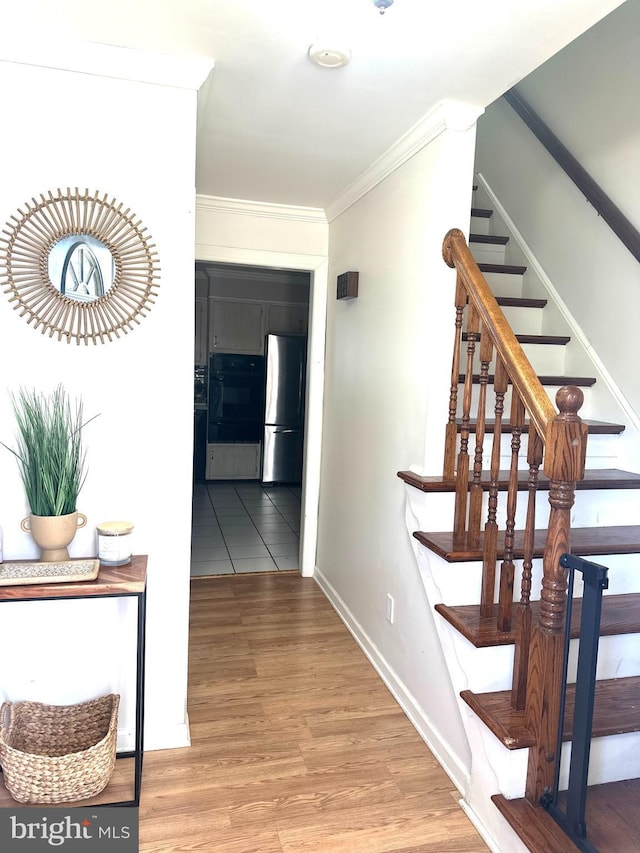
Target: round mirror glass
{"x":80,"y":267}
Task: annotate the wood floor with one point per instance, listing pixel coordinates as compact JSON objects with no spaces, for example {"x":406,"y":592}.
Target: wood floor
{"x":296,"y":743}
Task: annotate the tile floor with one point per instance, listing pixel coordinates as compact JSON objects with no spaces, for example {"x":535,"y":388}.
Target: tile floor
{"x":243,"y":526}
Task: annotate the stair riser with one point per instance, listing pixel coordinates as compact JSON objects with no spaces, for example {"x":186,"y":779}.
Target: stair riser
{"x":588,"y":411}
{"x":480,"y":225}
{"x":488,"y":253}
{"x":527,"y":321}
{"x":546,"y":358}
{"x":489,"y":669}
{"x":618,"y":657}
{"x":591,"y":508}
{"x":601,"y":453}
{"x":491,"y":399}
{"x":449,"y":577}
{"x":612,"y":759}
{"x":504,"y":284}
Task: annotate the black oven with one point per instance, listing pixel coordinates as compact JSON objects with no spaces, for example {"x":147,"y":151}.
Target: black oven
{"x":236,"y":398}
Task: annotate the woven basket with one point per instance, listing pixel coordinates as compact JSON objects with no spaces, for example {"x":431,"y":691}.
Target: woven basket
{"x":58,"y":753}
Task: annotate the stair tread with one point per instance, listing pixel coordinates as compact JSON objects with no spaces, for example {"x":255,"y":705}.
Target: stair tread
{"x":506,"y":269}
{"x":520,"y":302}
{"x":481,"y":212}
{"x":585,"y":542}
{"x":561,"y":381}
{"x":596,"y":478}
{"x":557,"y":340}
{"x":534,"y":826}
{"x":616,"y":711}
{"x":492,"y":239}
{"x":620,"y":615}
{"x":612,"y":820}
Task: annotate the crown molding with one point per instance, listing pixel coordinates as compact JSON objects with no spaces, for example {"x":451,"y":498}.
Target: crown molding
{"x":104,"y":60}
{"x":446,"y":115}
{"x":217,"y":204}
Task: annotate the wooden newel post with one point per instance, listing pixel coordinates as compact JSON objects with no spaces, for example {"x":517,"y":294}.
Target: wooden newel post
{"x":565,"y":452}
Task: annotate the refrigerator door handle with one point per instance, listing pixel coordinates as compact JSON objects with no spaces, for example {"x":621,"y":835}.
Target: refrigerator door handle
{"x":279,"y":431}
{"x":301,"y":391}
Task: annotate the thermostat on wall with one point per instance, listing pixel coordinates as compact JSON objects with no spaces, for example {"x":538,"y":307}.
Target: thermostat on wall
{"x":347,"y":285}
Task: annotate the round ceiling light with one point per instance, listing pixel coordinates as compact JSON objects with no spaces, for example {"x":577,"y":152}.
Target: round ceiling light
{"x":329,"y":57}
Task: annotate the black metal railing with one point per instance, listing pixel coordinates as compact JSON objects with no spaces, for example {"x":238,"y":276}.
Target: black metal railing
{"x":572,"y":818}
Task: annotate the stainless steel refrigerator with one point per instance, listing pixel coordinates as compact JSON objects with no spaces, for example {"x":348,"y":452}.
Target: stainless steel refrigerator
{"x":285,"y":372}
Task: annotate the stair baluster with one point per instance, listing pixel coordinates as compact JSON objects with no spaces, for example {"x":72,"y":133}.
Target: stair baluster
{"x":507,"y":569}
{"x":451,"y":435}
{"x":523,"y":610}
{"x":462,"y":473}
{"x":490,"y":550}
{"x":475,"y":492}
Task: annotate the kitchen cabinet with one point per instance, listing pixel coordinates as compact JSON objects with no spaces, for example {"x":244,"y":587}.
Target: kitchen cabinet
{"x":286,"y":319}
{"x":201,"y":333}
{"x":236,"y":326}
{"x":233,"y":461}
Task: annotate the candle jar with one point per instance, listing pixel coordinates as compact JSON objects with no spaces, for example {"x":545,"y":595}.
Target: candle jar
{"x":114,"y":542}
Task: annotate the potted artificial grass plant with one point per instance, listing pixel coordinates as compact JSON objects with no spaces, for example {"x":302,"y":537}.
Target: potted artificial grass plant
{"x":52,"y":466}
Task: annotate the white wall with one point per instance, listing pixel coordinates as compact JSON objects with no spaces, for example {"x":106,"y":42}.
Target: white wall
{"x":587,"y":95}
{"x":66,"y":129}
{"x":388,"y":363}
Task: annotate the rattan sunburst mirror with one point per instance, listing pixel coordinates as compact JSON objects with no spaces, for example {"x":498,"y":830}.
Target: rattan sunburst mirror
{"x":78,"y":266}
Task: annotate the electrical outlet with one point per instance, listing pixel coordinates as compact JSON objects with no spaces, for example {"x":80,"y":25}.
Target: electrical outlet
{"x":390,"y":608}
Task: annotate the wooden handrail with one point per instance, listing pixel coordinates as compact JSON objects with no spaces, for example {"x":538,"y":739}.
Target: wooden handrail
{"x":456,"y":254}
{"x":604,"y":206}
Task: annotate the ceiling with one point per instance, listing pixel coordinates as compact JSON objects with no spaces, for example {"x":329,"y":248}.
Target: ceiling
{"x":272,"y":127}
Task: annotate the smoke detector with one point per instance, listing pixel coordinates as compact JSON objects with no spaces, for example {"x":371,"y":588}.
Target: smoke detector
{"x":329,"y":56}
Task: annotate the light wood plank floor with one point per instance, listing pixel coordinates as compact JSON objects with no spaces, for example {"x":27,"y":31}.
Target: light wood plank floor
{"x":297,"y":745}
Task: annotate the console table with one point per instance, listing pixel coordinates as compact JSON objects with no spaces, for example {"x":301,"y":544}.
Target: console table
{"x":112,"y":582}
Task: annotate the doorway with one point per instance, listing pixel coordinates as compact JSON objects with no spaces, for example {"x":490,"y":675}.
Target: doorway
{"x":245,"y":525}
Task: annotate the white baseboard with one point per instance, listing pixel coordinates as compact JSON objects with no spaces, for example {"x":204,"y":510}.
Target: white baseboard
{"x":167,"y":738}
{"x":506,"y":841}
{"x":429,"y":734}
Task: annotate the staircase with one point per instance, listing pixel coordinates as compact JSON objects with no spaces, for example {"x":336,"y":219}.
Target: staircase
{"x":478,"y":634}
